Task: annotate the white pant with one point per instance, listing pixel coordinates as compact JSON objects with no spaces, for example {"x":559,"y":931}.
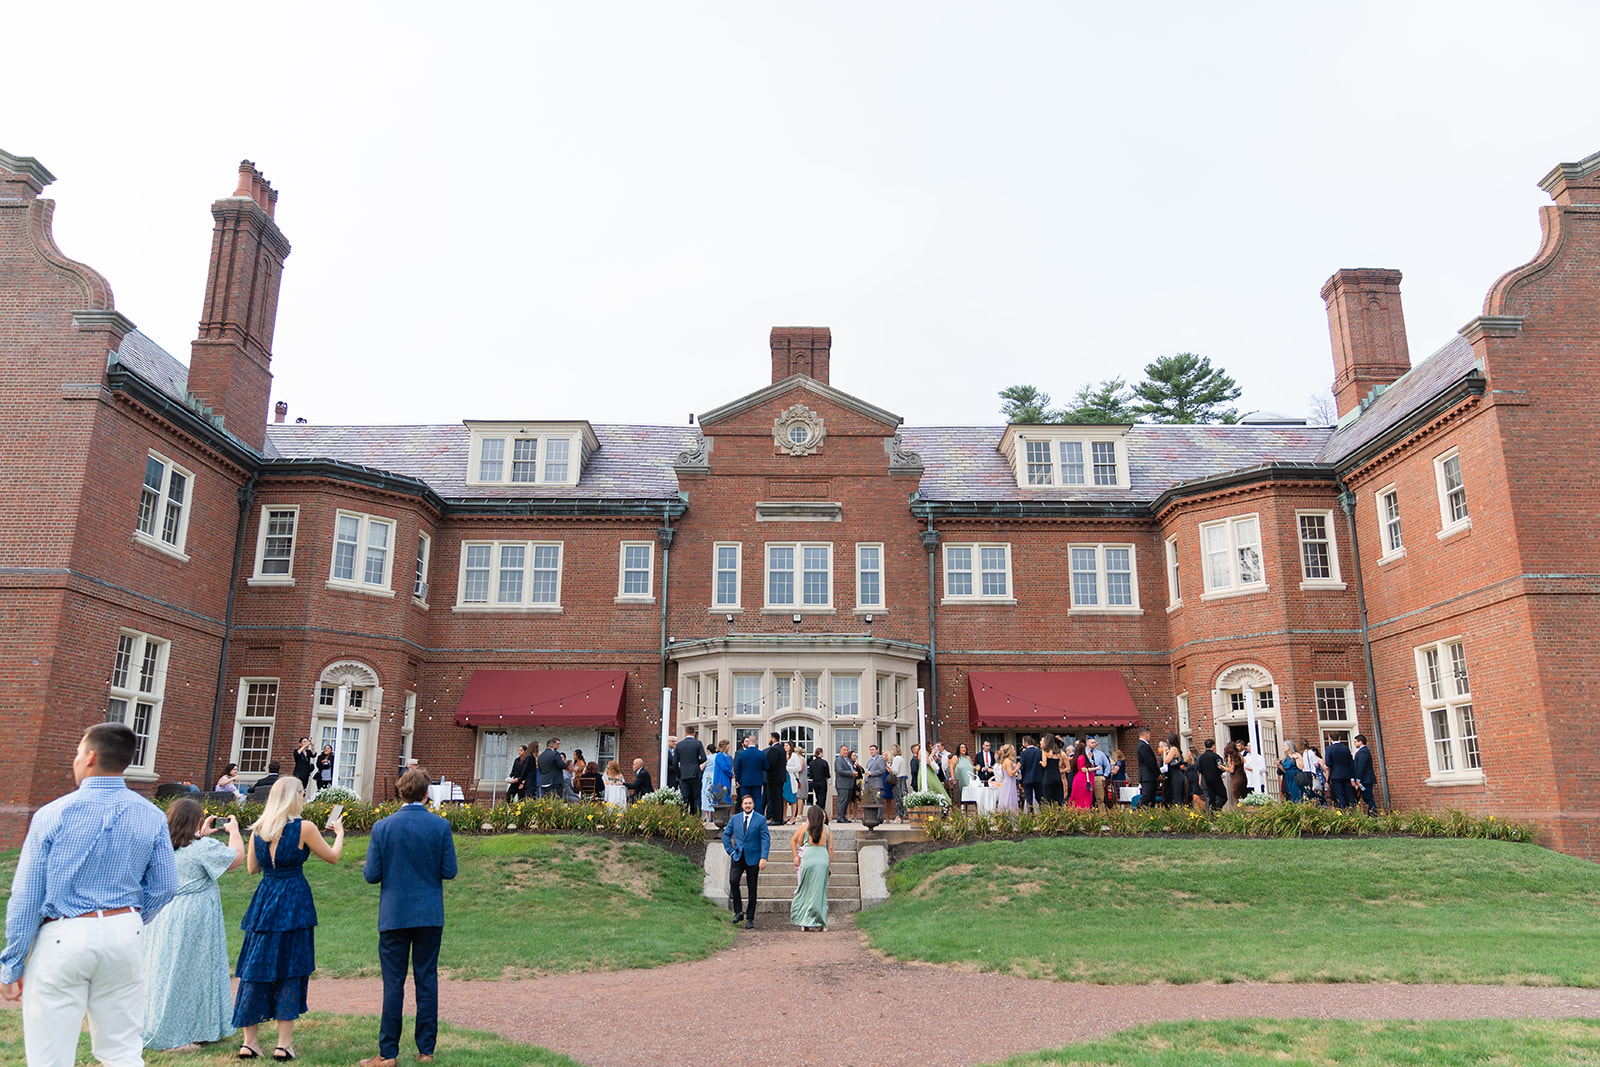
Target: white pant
{"x":76,"y":964}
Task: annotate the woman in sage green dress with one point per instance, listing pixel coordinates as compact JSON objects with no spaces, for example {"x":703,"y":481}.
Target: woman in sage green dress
{"x":187,"y":995}
{"x":812,"y":846}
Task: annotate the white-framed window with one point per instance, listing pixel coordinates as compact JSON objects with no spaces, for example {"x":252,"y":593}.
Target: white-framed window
{"x":253,"y":723}
{"x":800,"y":575}
{"x":1446,"y":693}
{"x":522,"y":454}
{"x":1174,"y":587}
{"x":164,"y":504}
{"x":846,"y":696}
{"x":1232,"y":556}
{"x":1319,"y":553}
{"x":510,"y":576}
{"x":275,"y":545}
{"x":977,"y":572}
{"x":408,"y":726}
{"x":725,"y":564}
{"x":811,"y":692}
{"x":363,"y":553}
{"x":782,"y":693}
{"x":1389,"y":535}
{"x":747,"y":694}
{"x":1336,"y":712}
{"x":1452,"y":493}
{"x":419,"y":586}
{"x":606,"y":747}
{"x":636,"y":565}
{"x":851,"y":738}
{"x":1092,"y":458}
{"x":138,"y":685}
{"x":494,"y":754}
{"x":869,"y":577}
{"x":1103,"y":578}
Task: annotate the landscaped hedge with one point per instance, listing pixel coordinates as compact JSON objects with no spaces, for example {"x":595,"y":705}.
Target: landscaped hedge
{"x":1268,"y":820}
{"x":643,"y":819}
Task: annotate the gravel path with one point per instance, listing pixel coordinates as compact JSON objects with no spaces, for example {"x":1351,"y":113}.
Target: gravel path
{"x":846,"y":1005}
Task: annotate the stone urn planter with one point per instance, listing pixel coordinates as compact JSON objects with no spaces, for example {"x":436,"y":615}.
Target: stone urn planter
{"x":871,"y":815}
{"x":720,"y":814}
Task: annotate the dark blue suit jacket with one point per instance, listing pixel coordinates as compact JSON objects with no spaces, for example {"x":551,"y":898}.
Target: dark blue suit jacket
{"x":411,"y":853}
{"x":751,"y":846}
{"x":1032,"y":766}
{"x":1341,"y":768}
{"x":1363,"y":769}
{"x":750,"y":767}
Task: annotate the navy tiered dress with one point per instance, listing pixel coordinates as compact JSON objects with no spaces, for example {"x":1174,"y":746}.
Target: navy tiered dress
{"x":279,"y":953}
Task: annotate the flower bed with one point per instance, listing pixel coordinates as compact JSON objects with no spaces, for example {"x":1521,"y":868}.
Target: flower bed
{"x":1268,"y":820}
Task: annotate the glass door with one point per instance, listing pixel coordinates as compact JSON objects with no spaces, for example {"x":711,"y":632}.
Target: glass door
{"x":345,"y":775}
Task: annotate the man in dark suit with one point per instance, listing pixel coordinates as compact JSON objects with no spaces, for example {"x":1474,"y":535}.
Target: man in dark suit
{"x":1032,"y":775}
{"x":819,"y":772}
{"x":264,"y":784}
{"x":410,"y":855}
{"x":690,"y":758}
{"x":747,"y":841}
{"x":1365,"y":775}
{"x":1341,"y":773}
{"x":776,"y":772}
{"x":672,"y":764}
{"x":551,"y":764}
{"x":1149,"y":770}
{"x":642,"y":784}
{"x":750,"y":771}
{"x":1210,"y":766}
{"x":986,"y":764}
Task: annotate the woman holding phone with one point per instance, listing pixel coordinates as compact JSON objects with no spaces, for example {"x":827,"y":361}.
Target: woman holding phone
{"x":277,"y":958}
{"x":185,"y":947}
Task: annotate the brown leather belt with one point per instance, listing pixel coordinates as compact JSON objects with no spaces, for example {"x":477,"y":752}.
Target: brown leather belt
{"x":100,"y":914}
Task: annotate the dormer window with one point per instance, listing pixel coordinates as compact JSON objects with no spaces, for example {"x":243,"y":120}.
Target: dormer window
{"x":1048,"y":457}
{"x":528,"y":454}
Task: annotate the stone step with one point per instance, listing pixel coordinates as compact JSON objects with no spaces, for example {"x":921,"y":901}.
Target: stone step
{"x":836,"y":886}
{"x":840,"y":906}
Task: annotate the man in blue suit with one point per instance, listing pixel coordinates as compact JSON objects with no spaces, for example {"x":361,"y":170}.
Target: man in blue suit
{"x":411,"y":853}
{"x":748,"y":841}
{"x":1341,"y":773}
{"x":750,"y":771}
{"x":1365,"y":777}
{"x":1032,"y":775}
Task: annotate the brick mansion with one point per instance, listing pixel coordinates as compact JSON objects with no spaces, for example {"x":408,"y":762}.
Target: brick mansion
{"x":798,"y":560}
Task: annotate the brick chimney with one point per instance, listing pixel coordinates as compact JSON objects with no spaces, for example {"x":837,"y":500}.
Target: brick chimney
{"x":230,"y":362}
{"x":801,"y":350}
{"x":1368,"y":331}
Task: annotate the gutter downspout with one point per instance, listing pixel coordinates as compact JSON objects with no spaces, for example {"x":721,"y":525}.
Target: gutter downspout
{"x":247,"y":496}
{"x":665,"y":535}
{"x":1347,"y":501}
{"x":930,"y":543}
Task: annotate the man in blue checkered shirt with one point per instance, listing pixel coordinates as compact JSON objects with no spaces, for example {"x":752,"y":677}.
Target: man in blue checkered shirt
{"x":96,"y":866}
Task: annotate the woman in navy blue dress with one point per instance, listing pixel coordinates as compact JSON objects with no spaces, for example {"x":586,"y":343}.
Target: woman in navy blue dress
{"x":278,"y":955}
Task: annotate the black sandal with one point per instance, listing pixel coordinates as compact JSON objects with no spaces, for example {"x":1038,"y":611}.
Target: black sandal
{"x":248,"y":1053}
{"x":282,"y":1055}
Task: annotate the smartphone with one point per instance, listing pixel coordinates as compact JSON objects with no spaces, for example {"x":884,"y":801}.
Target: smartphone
{"x":338,"y":810}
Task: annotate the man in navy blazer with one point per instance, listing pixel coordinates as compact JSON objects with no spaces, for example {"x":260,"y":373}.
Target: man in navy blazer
{"x":551,"y":763}
{"x":411,"y":854}
{"x":1365,"y":776}
{"x":750,"y":771}
{"x":748,"y":841}
{"x":1341,"y":773}
{"x":1032,"y":774}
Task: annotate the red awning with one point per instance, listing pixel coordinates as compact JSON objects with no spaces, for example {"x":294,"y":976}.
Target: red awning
{"x":543,"y":698}
{"x":1040,"y":700}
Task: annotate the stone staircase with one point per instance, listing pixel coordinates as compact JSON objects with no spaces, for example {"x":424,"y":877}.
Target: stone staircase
{"x":776,"y":888}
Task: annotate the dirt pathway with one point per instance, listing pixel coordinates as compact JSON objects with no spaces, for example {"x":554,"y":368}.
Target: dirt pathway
{"x":784,"y":997}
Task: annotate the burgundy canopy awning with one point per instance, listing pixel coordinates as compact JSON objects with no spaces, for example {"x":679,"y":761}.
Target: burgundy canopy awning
{"x":1041,"y":700}
{"x":543,"y":698}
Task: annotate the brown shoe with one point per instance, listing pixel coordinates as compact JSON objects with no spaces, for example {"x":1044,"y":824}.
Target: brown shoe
{"x":425,"y":1059}
{"x":378,"y":1061}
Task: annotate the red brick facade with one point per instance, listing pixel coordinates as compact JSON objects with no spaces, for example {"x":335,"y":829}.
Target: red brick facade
{"x":1279,"y":533}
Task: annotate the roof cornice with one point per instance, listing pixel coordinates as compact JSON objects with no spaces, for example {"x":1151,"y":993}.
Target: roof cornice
{"x":799,"y":381}
{"x":1470,"y":385}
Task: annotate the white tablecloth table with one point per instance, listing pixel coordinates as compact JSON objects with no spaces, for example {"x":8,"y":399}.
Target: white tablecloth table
{"x":985,"y":796}
{"x":443,"y":791}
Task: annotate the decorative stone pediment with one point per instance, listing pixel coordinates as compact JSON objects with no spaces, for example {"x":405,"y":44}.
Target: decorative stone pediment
{"x":901,"y":460}
{"x":696,"y":458}
{"x":349,"y":672}
{"x":798,"y":431}
{"x":1244,"y":676}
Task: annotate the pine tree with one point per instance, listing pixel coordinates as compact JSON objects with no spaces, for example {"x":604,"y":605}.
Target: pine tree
{"x":1108,"y":402}
{"x":1185,"y":388}
{"x":1024,"y":404}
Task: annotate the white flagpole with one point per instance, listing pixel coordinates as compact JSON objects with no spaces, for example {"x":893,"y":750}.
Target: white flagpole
{"x":666,"y":727}
{"x":922,"y":739}
{"x":338,"y":730}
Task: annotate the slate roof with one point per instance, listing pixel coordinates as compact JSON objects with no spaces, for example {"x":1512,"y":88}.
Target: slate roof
{"x":154,"y":364}
{"x":964,"y":463}
{"x":1411,"y":391}
{"x":632,"y":463}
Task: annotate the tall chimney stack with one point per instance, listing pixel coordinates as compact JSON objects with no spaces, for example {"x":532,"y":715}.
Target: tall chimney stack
{"x":280,"y":411}
{"x":230,"y":362}
{"x":801,"y":350}
{"x":1368,"y":332}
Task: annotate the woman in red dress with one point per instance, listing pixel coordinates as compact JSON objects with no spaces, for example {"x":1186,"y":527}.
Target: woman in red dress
{"x":1082,"y":770}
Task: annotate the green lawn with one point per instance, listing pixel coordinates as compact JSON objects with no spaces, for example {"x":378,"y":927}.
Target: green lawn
{"x":1326,"y":1043}
{"x":1188,"y":910}
{"x":325,"y":1039}
{"x":571,"y":903}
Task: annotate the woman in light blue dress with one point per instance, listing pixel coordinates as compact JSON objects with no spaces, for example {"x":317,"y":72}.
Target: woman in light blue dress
{"x":187,"y":995}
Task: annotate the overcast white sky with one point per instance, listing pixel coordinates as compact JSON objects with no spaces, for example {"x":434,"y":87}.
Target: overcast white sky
{"x":598,"y":210}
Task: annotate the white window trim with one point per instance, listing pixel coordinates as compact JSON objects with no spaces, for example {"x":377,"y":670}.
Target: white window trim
{"x":1336,"y":582}
{"x":408,"y":725}
{"x":881,"y":607}
{"x":258,"y":578}
{"x":1174,"y":572}
{"x":1102,"y":589}
{"x":738,"y":576}
{"x":578,"y":435}
{"x":798,"y":607}
{"x":360,"y":585}
{"x":1387,"y":554}
{"x":419,"y":584}
{"x":1449,"y":527}
{"x":1450,"y":701}
{"x":649,"y":595}
{"x":1334,"y":724}
{"x":977,"y":595}
{"x":523,"y":606}
{"x":1234,"y":588}
{"x":1014,"y":444}
{"x":240,"y":721}
{"x":143,"y":771}
{"x":483,"y":773}
{"x":176,"y":551}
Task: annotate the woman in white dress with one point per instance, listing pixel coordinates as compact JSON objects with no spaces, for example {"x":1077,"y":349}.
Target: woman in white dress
{"x":796,"y":766}
{"x":616,"y":788}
